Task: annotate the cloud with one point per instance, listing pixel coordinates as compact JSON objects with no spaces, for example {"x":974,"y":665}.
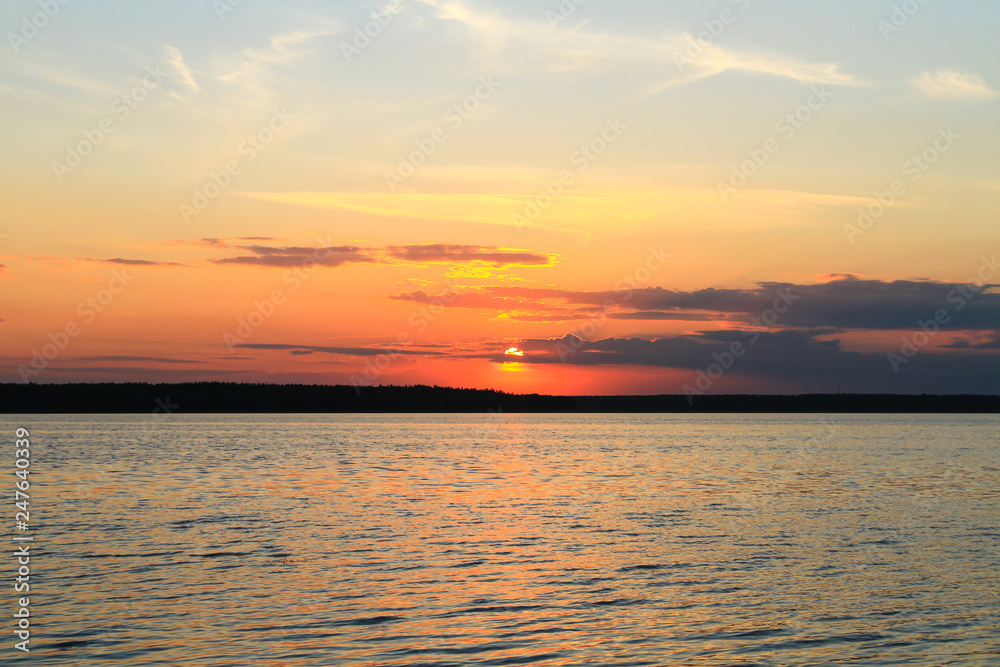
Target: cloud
{"x":211,"y":243}
{"x":843,"y":304}
{"x":664,"y":317}
{"x":141,"y":374}
{"x":334,"y":256}
{"x":128,"y":262}
{"x":846,"y":303}
{"x":798,"y":359}
{"x":949,"y":84}
{"x":516,"y":307}
{"x":556,"y":315}
{"x":464,"y":300}
{"x":156,"y":360}
{"x":252,"y":68}
{"x":438,"y":252}
{"x":719,"y":60}
{"x":688,"y":352}
{"x":286,"y":47}
{"x":59,"y":72}
{"x":534,"y":45}
{"x":580,"y":214}
{"x":26,"y":94}
{"x":347,"y":351}
{"x":493,"y":209}
{"x":220,"y":243}
{"x":330,"y":257}
{"x":991,"y":342}
{"x":176,"y":60}
{"x":512,"y":307}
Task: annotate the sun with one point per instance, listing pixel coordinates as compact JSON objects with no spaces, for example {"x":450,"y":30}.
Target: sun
{"x":514,"y":352}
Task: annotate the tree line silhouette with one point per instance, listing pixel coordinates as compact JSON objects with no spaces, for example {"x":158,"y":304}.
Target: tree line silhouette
{"x":229,"y":397}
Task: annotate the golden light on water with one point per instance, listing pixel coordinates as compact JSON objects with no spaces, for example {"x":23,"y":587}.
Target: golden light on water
{"x":579,"y":532}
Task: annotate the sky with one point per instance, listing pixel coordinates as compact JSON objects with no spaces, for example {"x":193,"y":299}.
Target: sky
{"x":576,"y":197}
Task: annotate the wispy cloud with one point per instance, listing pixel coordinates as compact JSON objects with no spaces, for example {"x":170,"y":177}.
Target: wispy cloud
{"x":218,"y":242}
{"x":251,"y":68}
{"x":460,"y":207}
{"x":128,"y":262}
{"x":176,"y":60}
{"x":335,"y":256}
{"x":155,"y":360}
{"x":444,"y":253}
{"x":272,"y":256}
{"x":533,"y":44}
{"x":25,"y":94}
{"x":300,"y":350}
{"x":61,"y":73}
{"x":580,"y":213}
{"x":949,"y":84}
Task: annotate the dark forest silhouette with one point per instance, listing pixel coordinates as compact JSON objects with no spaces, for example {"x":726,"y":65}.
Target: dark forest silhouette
{"x":221,"y":397}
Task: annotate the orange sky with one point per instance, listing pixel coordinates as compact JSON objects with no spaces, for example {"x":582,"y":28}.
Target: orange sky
{"x":591,"y":192}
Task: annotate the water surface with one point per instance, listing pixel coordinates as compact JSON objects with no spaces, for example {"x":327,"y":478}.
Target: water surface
{"x":513,"y":540}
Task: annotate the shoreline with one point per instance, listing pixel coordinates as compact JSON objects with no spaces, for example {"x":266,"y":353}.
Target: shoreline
{"x":237,"y":398}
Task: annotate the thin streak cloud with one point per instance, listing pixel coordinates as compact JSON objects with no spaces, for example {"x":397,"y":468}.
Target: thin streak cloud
{"x":949,"y":84}
{"x":531,"y":44}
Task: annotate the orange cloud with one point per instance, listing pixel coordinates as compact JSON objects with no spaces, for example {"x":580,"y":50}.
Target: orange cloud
{"x":440,"y":252}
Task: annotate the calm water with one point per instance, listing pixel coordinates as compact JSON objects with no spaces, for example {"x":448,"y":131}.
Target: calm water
{"x":542,"y":540}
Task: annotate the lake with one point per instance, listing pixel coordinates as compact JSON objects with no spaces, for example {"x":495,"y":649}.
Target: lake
{"x":512,"y":539}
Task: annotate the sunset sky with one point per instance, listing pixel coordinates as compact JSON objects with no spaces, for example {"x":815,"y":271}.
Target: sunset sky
{"x":579,"y":198}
